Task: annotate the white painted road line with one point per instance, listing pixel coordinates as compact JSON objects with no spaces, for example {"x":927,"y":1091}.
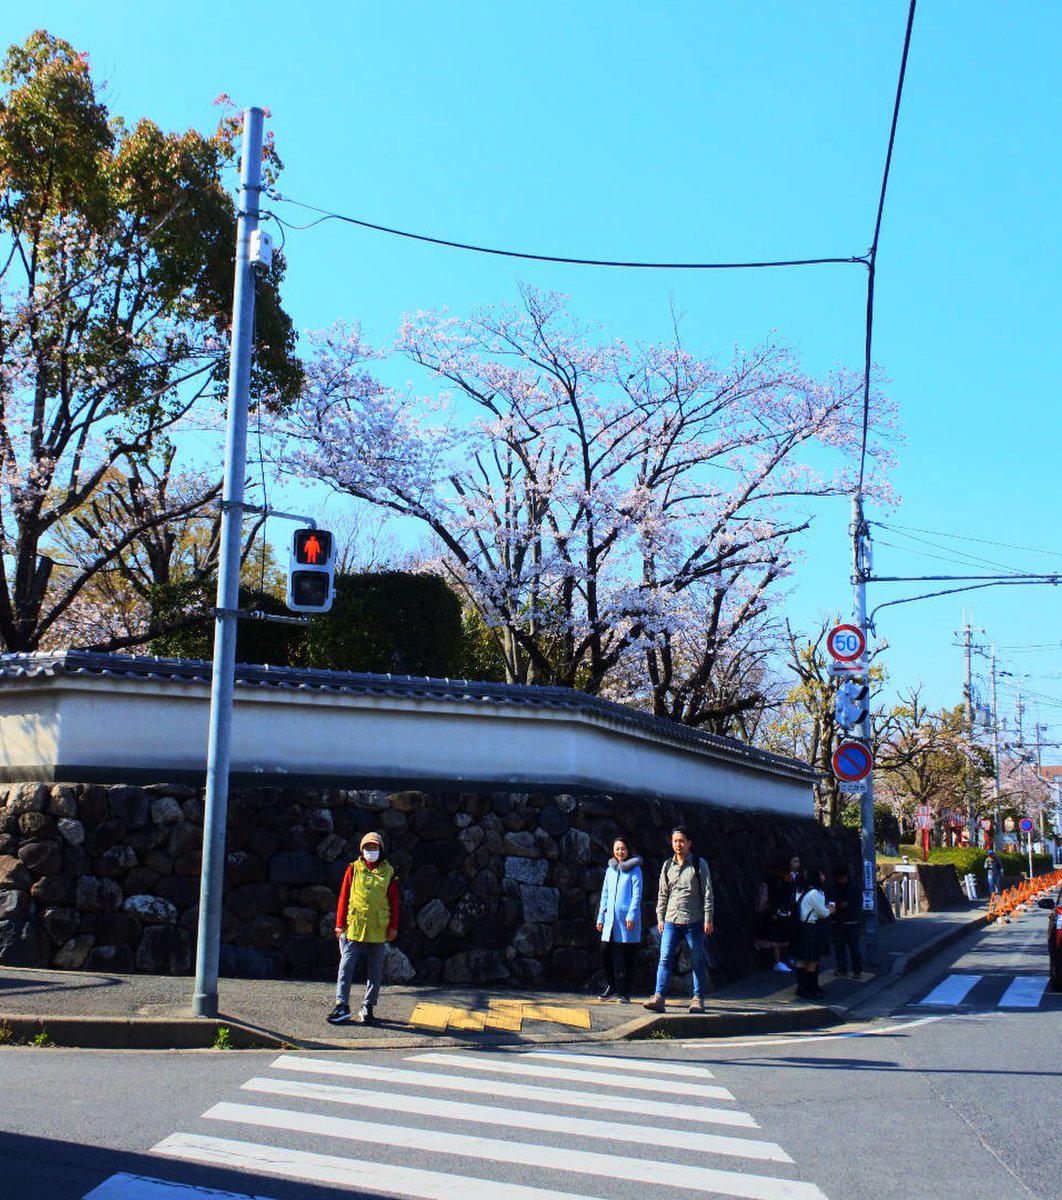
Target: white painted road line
{"x":611,"y":1079}
{"x":357,"y":1174}
{"x":952,"y":990}
{"x":1025,"y":991}
{"x":512,"y":1119}
{"x":378,"y":1076}
{"x":682,"y":1174}
{"x":650,"y":1066}
{"x":800,"y":1038}
{"x":142,"y":1187}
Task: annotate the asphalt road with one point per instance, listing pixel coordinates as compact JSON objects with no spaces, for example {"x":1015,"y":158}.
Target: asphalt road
{"x":954,"y":1097}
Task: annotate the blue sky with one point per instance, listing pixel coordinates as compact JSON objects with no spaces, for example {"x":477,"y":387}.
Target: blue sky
{"x":698,"y":131}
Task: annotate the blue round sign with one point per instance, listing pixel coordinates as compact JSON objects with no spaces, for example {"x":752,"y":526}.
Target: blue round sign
{"x":1025,"y":825}
{"x":852,"y":761}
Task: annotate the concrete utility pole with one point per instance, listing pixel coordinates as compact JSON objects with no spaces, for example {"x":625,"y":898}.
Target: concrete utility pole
{"x":996,"y":826}
{"x":860,"y":570}
{"x":208,"y":943}
{"x":967,"y":714}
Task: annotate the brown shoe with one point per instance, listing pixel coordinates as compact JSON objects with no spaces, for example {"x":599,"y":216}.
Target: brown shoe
{"x":655,"y":1003}
{"x":696,"y":1005}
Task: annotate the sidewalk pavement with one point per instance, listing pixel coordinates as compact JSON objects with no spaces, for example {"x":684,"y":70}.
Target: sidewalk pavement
{"x":76,"y":1008}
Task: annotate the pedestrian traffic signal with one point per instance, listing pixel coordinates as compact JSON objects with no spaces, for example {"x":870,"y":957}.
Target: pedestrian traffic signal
{"x":310,"y":570}
{"x":852,"y":703}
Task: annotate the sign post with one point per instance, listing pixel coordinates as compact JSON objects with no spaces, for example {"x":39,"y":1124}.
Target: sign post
{"x":1026,"y":826}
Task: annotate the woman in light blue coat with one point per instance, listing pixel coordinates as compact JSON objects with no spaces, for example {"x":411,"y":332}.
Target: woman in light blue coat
{"x":619,"y":920}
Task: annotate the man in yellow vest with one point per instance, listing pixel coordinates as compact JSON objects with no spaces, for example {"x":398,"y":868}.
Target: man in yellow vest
{"x":366,"y":918}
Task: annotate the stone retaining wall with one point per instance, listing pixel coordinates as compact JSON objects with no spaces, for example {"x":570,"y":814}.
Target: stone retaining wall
{"x":496,"y":887}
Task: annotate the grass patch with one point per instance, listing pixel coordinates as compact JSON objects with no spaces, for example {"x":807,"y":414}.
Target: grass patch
{"x":222,"y":1039}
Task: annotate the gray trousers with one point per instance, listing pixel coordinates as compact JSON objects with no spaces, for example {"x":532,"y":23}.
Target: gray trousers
{"x":349,"y":953}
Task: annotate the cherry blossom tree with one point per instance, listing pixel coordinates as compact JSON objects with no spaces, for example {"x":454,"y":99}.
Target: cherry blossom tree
{"x":116,"y":249}
{"x":592,"y":500}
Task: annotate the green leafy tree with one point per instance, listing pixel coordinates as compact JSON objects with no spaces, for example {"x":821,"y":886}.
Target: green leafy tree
{"x":389,"y":621}
{"x":116,"y":250}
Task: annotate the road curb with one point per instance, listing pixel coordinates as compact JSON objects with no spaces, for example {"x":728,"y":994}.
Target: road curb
{"x":134,"y":1033}
{"x":775,"y":1019}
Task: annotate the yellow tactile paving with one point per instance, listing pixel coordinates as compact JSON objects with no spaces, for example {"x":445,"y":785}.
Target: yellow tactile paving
{"x":507,"y":1015}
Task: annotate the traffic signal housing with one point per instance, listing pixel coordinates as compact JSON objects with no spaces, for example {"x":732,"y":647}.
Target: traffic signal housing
{"x":852,"y":703}
{"x":310,"y":571}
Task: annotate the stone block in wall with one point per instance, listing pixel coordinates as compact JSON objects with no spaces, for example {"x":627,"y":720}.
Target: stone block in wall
{"x":571,"y":932}
{"x":14,"y":904}
{"x":573,"y":966}
{"x":166,"y":810}
{"x":194,"y":809}
{"x":319,"y":820}
{"x":141,"y":880}
{"x":245,"y":962}
{"x":467,"y":914}
{"x":575,"y":846}
{"x":27,"y":797}
{"x":13,"y":873}
{"x":433,"y":918}
{"x":533,"y":941}
{"x":329,"y":848}
{"x":41,"y":858}
{"x":553,"y":821}
{"x":72,"y":954}
{"x":245,"y":902}
{"x":538,"y":903}
{"x":423,"y":884}
{"x":71,"y":831}
{"x":164,"y":950}
{"x":546,"y":845}
{"x":308,"y":955}
{"x":520,"y":843}
{"x":262,"y":932}
{"x":103,"y":836}
{"x":396,"y":966}
{"x":471,"y":839}
{"x":151,"y":910}
{"x":301,"y":921}
{"x":62,"y":800}
{"x":298,"y":867}
{"x":117,"y":929}
{"x":318,"y":897}
{"x":181,"y":890}
{"x":179,"y":791}
{"x":431,"y":823}
{"x":527,"y":971}
{"x":60,"y":924}
{"x":130,"y":805}
{"x":9,"y":844}
{"x":76,"y":862}
{"x":119,"y":959}
{"x":405,"y":802}
{"x":91,"y":804}
{"x":53,"y":891}
{"x":243,"y":867}
{"x":116,"y":862}
{"x":526,"y":870}
{"x":475,"y":966}
{"x":36,"y":825}
{"x":158,"y":862}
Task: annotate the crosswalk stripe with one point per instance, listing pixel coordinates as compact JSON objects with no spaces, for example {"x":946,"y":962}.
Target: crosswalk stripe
{"x":509,"y":1118}
{"x":124,"y":1186}
{"x":613,"y":1104}
{"x":611,"y":1079}
{"x":681,"y":1174}
{"x":652,"y":1066}
{"x":357,"y":1174}
{"x":952,"y":990}
{"x":1025,"y":991}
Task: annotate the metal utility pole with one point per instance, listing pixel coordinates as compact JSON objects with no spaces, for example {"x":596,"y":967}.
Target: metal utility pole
{"x":860,"y":571}
{"x":208,"y":943}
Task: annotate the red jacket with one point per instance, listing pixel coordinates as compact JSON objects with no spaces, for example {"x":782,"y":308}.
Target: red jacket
{"x":343,"y":906}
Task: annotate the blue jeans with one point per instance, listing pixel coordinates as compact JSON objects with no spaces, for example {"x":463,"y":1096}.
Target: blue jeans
{"x":670,"y":940}
{"x":349,"y":953}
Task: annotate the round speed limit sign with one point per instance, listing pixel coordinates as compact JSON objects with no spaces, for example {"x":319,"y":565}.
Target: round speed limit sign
{"x":846,"y":643}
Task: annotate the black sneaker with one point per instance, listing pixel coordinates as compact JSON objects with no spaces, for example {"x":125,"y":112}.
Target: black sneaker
{"x":339,"y":1015}
{"x":608,"y":993}
{"x":365,"y":1016}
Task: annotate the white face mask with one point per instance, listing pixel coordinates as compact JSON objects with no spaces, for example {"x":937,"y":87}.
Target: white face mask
{"x":370,"y":854}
